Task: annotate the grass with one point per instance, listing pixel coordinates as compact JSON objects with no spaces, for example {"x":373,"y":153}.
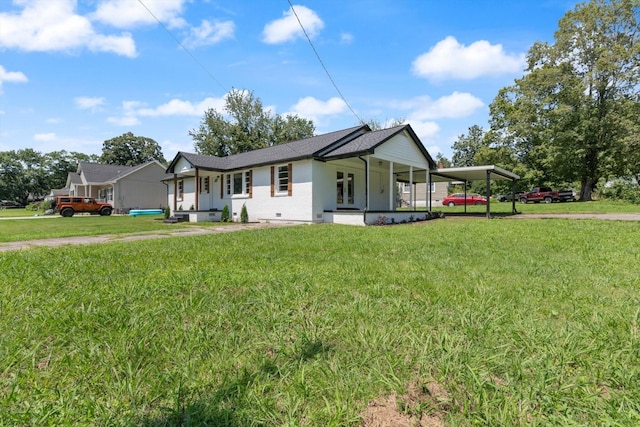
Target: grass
{"x":12,"y":230}
{"x":523,"y":323}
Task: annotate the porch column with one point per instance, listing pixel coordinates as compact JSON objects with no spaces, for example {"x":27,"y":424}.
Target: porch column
{"x":392,"y":189}
{"x":175,"y":192}
{"x":367,"y":183}
{"x":197,"y":187}
{"x":488,"y":193}
{"x":427,"y":196}
{"x":411,"y":199}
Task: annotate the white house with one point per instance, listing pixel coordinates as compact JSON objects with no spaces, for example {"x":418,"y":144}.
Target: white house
{"x":347,"y":176}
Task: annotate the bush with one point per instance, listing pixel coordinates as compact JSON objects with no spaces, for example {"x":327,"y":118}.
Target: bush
{"x":244,"y":215}
{"x":622,"y":190}
{"x":167,"y":212}
{"x":224,"y":217}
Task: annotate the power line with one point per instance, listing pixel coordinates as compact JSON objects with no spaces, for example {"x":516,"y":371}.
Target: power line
{"x":322,"y":63}
{"x":183,"y":47}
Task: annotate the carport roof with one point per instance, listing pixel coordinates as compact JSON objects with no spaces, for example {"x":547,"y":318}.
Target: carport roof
{"x":471,"y":173}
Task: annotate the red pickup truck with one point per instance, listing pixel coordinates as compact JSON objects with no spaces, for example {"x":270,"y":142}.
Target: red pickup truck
{"x":547,"y":195}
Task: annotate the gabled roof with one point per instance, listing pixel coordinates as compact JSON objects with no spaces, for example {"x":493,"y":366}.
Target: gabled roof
{"x":296,"y":150}
{"x":97,"y":173}
{"x":349,"y":142}
{"x":366,"y":144}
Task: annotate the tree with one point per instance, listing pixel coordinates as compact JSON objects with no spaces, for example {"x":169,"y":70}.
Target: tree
{"x":247,"y":126}
{"x":376,"y":125}
{"x":466,"y":147}
{"x":130,"y":150}
{"x":572,"y":116}
{"x":442,"y":161}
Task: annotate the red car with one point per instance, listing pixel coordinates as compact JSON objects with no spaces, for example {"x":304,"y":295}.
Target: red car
{"x":458,"y":199}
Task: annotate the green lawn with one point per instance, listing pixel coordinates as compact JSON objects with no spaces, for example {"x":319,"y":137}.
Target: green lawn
{"x":522,"y":322}
{"x":12,"y":230}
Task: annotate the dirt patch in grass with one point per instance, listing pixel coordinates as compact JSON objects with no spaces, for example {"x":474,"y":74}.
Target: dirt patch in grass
{"x":423,"y":405}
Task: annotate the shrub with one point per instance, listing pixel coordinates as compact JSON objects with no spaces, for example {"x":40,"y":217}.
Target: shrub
{"x":623,"y":190}
{"x":244,"y":215}
{"x":167,"y":212}
{"x":224,"y":217}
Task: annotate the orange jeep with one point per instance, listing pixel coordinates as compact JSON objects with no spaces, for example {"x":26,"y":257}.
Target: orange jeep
{"x":68,"y":206}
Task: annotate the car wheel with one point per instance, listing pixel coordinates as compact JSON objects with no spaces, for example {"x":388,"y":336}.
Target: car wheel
{"x":451,"y":204}
{"x":67,"y":212}
{"x":523,"y":200}
{"x":548,"y":200}
{"x":105,"y":212}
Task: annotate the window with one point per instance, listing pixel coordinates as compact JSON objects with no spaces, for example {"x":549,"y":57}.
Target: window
{"x":203,"y":186}
{"x":406,"y":187}
{"x":239,"y":184}
{"x":433,"y":187}
{"x":281,"y":180}
{"x":345,"y":188}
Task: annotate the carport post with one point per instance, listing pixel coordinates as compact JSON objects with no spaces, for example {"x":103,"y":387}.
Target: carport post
{"x":513,"y":197}
{"x":488,"y":195}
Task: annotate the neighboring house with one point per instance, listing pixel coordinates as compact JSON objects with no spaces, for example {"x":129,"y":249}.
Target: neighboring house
{"x":124,"y":187}
{"x":347,"y":176}
{"x":418,"y":193}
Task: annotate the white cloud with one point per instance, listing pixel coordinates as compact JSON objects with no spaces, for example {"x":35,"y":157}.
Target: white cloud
{"x":314,"y":109}
{"x":346,"y":38}
{"x":45,"y":25}
{"x":449,"y":59}
{"x":424,"y":129}
{"x":210,"y":33}
{"x":131,"y":13}
{"x":287,"y":28}
{"x":11,"y":77}
{"x":177,"y":107}
{"x":133,"y":110}
{"x":89,"y":103}
{"x":452,"y":106}
{"x":44,"y":136}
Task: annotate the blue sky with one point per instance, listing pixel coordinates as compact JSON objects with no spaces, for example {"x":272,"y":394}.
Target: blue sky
{"x":76,"y":73}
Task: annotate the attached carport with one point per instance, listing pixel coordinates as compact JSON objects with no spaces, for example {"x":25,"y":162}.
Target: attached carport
{"x":476,"y":173}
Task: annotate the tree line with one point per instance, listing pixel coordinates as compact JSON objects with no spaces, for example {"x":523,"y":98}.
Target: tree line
{"x":573,"y":118}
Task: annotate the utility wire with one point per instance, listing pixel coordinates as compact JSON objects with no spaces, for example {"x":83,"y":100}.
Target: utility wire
{"x":183,"y":47}
{"x":322,"y":63}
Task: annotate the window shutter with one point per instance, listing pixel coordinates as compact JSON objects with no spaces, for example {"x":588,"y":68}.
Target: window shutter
{"x":272,"y":181}
{"x":222,"y":186}
{"x":290,"y":183}
{"x":250,"y":184}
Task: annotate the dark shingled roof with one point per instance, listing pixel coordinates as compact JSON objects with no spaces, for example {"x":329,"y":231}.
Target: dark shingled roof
{"x":344,"y":143}
{"x":75,"y":178}
{"x":94,"y":172}
{"x":369,"y":141}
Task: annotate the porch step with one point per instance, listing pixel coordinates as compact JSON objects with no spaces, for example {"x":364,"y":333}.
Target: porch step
{"x":176,"y":219}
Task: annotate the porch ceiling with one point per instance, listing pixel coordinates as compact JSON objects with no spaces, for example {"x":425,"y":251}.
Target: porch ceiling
{"x":472,"y":173}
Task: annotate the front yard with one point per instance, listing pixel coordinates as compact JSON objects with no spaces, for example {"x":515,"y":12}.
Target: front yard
{"x":480,"y":322}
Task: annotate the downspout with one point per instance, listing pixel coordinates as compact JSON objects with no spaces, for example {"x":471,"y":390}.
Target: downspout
{"x":366,"y":186}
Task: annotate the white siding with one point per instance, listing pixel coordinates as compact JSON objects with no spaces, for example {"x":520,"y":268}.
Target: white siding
{"x":402,"y":149}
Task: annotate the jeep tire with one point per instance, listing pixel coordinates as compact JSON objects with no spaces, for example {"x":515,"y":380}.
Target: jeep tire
{"x":105,"y":211}
{"x":67,"y":212}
